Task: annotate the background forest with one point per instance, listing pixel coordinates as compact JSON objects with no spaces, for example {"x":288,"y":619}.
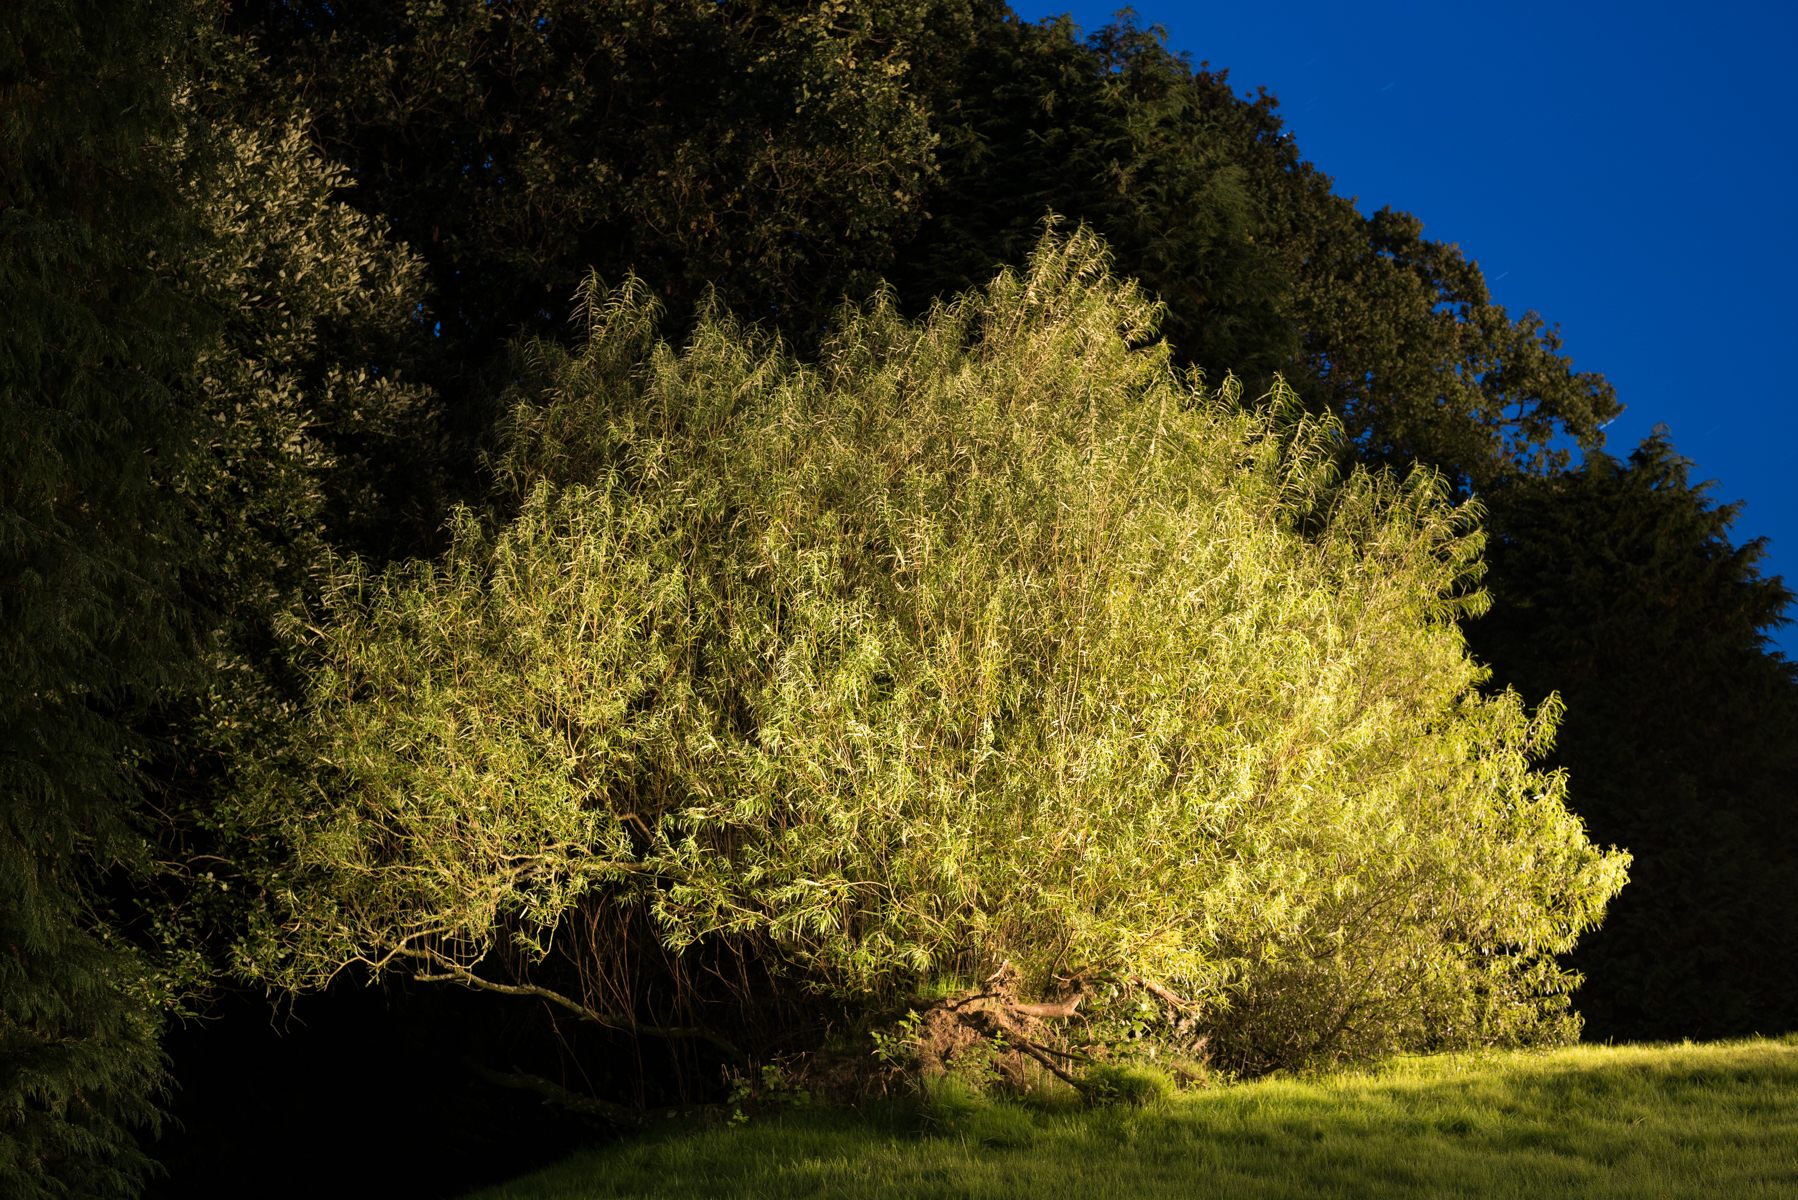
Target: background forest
{"x":924,"y":405}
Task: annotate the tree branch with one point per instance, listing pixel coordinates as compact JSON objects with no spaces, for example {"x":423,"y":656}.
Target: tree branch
{"x":454,"y":972}
{"x":1030,"y":1048}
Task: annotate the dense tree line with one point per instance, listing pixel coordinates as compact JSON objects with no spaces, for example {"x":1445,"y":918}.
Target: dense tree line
{"x":287,"y":288}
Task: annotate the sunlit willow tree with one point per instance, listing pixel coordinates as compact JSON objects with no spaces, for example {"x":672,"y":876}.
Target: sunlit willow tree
{"x":985,"y":638}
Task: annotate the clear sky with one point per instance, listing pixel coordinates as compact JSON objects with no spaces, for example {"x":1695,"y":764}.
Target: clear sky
{"x":1630,"y":171}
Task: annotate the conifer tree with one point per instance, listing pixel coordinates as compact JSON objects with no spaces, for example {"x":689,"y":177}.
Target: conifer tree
{"x":1619,"y":586}
{"x":96,"y":333}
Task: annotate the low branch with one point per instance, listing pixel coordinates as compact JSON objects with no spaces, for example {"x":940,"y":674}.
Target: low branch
{"x":454,"y":972}
{"x":1030,"y":1048}
{"x":1060,"y":1010}
{"x":1070,"y":1055}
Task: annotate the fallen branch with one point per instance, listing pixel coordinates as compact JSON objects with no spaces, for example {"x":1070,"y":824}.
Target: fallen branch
{"x":1070,"y":1055}
{"x":1048,"y":1064}
{"x":1059,"y":1010}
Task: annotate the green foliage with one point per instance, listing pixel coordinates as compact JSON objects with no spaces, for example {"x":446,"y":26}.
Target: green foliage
{"x":767,"y":1090}
{"x":1263,"y":267}
{"x":785,"y":155}
{"x":200,"y":349}
{"x":769,"y":149}
{"x":1619,"y":584}
{"x":1404,"y":341}
{"x":1113,"y":134}
{"x":96,"y":332}
{"x":983,"y":638}
{"x":307,"y":433}
{"x":313,"y":430}
{"x":1135,"y":1084}
{"x":896,"y":1046}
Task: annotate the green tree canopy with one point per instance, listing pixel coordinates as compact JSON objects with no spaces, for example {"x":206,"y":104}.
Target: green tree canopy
{"x":771,"y":150}
{"x":983,"y":638}
{"x":203,"y":349}
{"x":1113,"y":133}
{"x":308,"y":434}
{"x":785,"y":155}
{"x":1207,"y":200}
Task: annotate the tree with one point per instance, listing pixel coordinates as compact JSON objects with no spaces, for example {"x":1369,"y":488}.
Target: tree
{"x":786,"y":156}
{"x":308,"y":435}
{"x":97,"y":330}
{"x":1403,"y":340}
{"x":207,"y":351}
{"x":770,"y":150}
{"x":1619,"y":586}
{"x":1263,"y":267}
{"x":983,"y":639}
{"x":1111,"y":133}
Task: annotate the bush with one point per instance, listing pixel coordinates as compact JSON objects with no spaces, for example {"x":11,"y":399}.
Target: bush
{"x":983,"y":638}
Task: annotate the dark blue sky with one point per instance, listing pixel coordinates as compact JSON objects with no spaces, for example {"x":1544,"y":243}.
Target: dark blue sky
{"x":1630,"y":171}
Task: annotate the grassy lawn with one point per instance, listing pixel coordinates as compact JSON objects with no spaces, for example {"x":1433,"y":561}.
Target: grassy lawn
{"x":1630,"y":1121}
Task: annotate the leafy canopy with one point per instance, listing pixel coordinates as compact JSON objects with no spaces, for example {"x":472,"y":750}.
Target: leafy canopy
{"x":984,"y":637}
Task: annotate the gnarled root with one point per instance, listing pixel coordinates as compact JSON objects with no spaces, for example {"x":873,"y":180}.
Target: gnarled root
{"x":1005,"y":1032}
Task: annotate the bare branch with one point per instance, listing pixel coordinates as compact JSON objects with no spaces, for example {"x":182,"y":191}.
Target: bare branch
{"x":454,"y":972}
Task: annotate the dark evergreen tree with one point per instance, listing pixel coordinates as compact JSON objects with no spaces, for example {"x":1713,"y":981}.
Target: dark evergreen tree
{"x":1112,"y":133}
{"x":773,"y":151}
{"x":1619,"y":586}
{"x":97,"y":330}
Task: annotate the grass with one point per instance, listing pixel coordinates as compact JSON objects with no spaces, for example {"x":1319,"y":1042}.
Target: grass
{"x":1717,"y":1120}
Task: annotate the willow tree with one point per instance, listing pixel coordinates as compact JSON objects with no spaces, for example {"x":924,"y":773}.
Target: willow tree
{"x":979,"y":639}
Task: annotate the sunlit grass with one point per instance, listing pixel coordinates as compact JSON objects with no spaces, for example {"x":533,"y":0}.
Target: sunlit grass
{"x":1706,"y":1121}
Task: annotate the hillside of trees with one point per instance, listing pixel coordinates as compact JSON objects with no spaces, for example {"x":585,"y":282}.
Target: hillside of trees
{"x":561,"y":554}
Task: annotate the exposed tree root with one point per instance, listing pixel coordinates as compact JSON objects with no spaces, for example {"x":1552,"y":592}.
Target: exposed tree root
{"x":1001,"y":1030}
{"x":993,"y":1032}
